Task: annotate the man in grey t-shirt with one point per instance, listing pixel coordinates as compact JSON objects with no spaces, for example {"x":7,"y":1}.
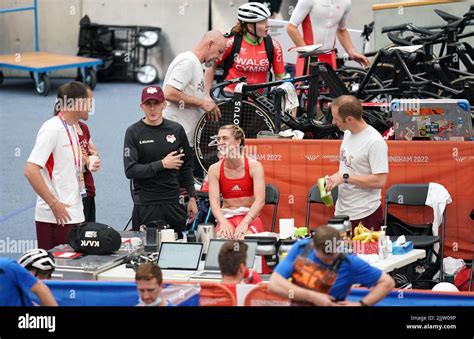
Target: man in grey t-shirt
{"x":184,"y":85}
{"x":363,"y":167}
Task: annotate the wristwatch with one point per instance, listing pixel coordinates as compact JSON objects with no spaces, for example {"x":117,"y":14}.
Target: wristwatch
{"x":345,"y":177}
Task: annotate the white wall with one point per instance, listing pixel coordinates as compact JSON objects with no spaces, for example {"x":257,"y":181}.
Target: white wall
{"x":183,"y":23}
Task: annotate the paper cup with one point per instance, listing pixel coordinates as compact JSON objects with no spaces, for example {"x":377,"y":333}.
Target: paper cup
{"x":167,"y":235}
{"x":287,"y":228}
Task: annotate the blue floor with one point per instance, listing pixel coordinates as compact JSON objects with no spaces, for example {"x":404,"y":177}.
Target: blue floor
{"x":22,"y":112}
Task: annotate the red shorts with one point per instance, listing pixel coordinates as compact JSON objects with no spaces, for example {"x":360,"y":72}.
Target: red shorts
{"x":50,"y":235}
{"x":372,"y":222}
{"x":255,"y":226}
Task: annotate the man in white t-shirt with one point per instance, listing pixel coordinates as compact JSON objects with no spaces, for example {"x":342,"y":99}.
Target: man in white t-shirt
{"x":322,"y":21}
{"x":54,"y":168}
{"x":184,"y":84}
{"x":363,"y":168}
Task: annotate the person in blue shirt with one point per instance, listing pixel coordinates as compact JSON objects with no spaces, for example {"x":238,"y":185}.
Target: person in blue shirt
{"x":316,"y":272}
{"x":16,"y":283}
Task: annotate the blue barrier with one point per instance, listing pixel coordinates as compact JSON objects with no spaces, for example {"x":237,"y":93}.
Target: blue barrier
{"x":98,"y":293}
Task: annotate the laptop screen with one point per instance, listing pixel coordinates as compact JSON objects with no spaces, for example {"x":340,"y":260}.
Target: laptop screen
{"x":212,"y":258}
{"x":180,"y":256}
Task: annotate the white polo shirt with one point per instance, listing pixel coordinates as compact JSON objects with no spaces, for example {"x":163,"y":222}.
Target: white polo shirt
{"x":53,"y":152}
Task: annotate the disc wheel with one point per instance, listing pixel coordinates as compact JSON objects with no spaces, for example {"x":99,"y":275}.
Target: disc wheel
{"x":252,"y":119}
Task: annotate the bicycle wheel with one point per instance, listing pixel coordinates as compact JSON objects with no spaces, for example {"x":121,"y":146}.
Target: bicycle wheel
{"x":466,"y":84}
{"x":353,"y":77}
{"x":252,"y":120}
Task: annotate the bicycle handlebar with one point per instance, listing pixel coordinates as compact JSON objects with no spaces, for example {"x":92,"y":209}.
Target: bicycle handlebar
{"x":223,"y":84}
{"x":388,"y":29}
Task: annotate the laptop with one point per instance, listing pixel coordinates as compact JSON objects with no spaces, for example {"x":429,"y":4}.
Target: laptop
{"x":211,"y":266}
{"x":432,"y":119}
{"x":179,"y":260}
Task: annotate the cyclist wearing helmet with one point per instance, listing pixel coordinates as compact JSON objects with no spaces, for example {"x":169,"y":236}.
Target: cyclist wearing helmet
{"x":16,"y":283}
{"x":249,"y":50}
{"x":39,"y":262}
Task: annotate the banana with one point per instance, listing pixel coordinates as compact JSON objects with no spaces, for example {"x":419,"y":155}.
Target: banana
{"x":360,"y":229}
{"x":361,"y":236}
{"x":369,"y":238}
{"x":375,"y":235}
{"x":356,"y":231}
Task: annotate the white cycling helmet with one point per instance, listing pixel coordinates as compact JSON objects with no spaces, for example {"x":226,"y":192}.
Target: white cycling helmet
{"x":253,"y":12}
{"x":39,"y":259}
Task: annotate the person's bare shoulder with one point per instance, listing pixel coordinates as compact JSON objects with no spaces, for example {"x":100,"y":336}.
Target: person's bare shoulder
{"x":214,"y":168}
{"x":254,"y":165}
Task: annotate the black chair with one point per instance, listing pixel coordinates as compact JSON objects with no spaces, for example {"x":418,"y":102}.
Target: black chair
{"x":314,"y":197}
{"x":421,"y":235}
{"x":272,"y":197}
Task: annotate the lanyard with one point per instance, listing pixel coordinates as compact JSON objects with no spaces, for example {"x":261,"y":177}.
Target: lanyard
{"x":77,"y":162}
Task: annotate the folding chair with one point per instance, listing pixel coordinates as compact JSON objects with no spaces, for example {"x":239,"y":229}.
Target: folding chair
{"x":272,"y":197}
{"x":421,"y":235}
{"x":314,"y":197}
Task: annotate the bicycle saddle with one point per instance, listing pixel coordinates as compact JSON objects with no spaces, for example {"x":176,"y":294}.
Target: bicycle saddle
{"x":398,"y":41}
{"x":446,"y":16}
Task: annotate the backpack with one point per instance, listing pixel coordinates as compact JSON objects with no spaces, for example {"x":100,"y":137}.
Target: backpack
{"x":229,"y":62}
{"x":94,"y":238}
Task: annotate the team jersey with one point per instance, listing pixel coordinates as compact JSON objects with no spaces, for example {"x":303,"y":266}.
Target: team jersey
{"x":320,"y":20}
{"x":252,"y":61}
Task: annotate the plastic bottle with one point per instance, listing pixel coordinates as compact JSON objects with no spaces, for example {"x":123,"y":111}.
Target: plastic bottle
{"x":389,"y":245}
{"x":382,"y":243}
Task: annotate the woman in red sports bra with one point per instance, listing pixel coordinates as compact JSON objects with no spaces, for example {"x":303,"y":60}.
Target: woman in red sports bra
{"x":241,"y":181}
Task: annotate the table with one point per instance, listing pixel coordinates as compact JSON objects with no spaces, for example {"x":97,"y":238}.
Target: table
{"x":122,"y":273}
{"x":397,"y":261}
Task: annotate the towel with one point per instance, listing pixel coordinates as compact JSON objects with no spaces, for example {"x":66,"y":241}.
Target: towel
{"x":437,"y":198}
{"x":290,"y":100}
{"x":229,"y":213}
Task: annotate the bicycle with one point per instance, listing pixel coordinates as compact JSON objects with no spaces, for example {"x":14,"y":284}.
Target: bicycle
{"x":256,"y":112}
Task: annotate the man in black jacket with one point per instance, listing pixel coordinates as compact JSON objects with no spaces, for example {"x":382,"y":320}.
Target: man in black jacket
{"x":158,"y":158}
